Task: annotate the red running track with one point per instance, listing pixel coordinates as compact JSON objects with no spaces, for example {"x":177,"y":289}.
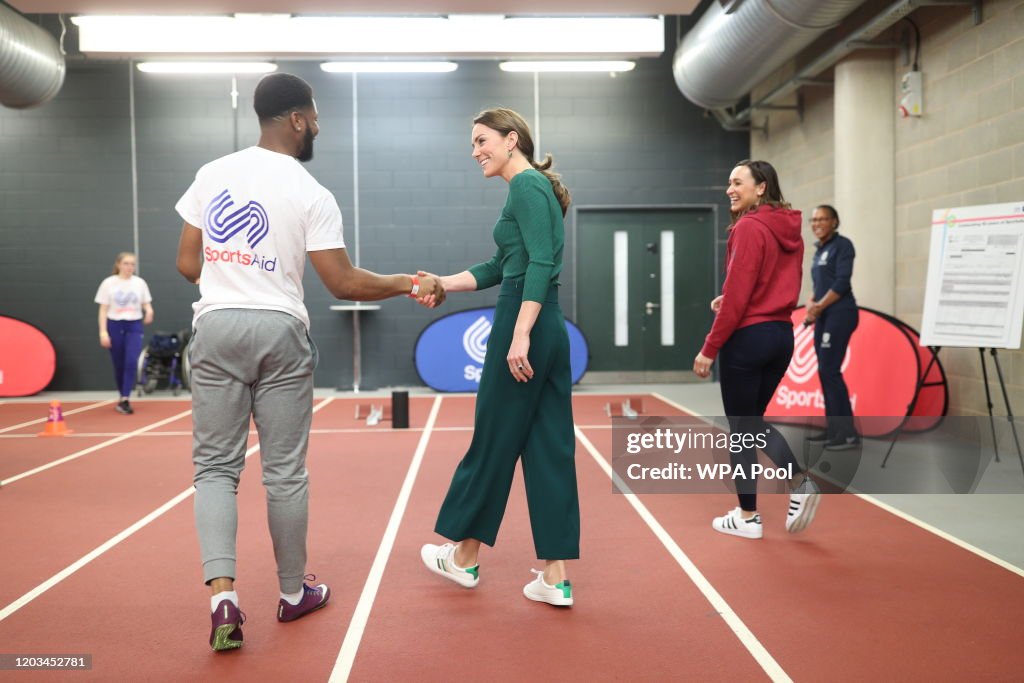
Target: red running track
{"x":862,"y":595}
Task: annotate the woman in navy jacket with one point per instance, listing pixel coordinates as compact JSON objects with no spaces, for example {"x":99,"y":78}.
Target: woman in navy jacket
{"x":833,"y":312}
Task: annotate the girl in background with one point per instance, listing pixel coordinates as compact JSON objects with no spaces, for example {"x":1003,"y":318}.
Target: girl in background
{"x":125,"y":306}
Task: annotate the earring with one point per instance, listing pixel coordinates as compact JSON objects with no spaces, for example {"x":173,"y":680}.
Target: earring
{"x":510,"y":154}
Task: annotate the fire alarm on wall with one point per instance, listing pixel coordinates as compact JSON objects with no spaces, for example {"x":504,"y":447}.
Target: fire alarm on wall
{"x":911,"y":86}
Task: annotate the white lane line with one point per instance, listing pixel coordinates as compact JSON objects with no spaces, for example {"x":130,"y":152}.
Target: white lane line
{"x":732,"y":620}
{"x":92,"y":449}
{"x":675,"y":405}
{"x":357,"y":626}
{"x":80,"y":435}
{"x":94,"y":435}
{"x":75,"y":566}
{"x":73,"y":411}
{"x":99,"y":550}
{"x":942,"y":534}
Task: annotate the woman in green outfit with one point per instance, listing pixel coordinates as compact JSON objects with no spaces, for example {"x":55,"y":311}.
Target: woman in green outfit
{"x":524,"y":406}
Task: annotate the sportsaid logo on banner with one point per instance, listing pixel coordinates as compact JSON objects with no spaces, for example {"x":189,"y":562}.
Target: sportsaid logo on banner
{"x":223,"y":221}
{"x":800,"y":391}
{"x":881,"y":370}
{"x":450,"y":352}
{"x":804,"y":365}
{"x":474,"y":341}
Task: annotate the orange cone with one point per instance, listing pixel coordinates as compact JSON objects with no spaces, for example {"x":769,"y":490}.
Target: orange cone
{"x":55,"y":425}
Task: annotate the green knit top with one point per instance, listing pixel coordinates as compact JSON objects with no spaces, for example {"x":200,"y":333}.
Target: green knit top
{"x":530,"y":235}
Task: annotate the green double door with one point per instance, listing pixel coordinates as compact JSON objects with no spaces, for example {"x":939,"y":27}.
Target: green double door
{"x":644,"y":284}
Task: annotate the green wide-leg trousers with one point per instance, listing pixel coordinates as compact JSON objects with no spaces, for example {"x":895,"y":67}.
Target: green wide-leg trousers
{"x":532,"y":420}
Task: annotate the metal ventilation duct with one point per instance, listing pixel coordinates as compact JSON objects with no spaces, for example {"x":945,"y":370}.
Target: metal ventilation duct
{"x":724,"y":56}
{"x":31,"y":64}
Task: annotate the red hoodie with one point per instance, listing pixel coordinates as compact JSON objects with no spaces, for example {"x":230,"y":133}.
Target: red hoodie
{"x":763,"y":267}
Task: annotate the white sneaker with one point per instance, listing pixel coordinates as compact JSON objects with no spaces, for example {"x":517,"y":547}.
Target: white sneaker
{"x":560,"y":594}
{"x":803,"y":503}
{"x":732,"y":523}
{"x":440,"y":559}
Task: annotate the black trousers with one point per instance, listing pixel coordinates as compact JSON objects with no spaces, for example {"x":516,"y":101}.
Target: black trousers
{"x":750,"y":366}
{"x":832,"y":333}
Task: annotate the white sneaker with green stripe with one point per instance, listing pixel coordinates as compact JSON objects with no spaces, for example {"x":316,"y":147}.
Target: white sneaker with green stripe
{"x":440,"y":559}
{"x":560,"y":594}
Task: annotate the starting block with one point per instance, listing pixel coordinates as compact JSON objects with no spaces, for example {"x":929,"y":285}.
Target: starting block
{"x":631,"y":407}
{"x":375,"y":414}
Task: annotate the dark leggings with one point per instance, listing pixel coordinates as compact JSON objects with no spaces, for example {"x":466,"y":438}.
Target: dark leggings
{"x":750,"y":366}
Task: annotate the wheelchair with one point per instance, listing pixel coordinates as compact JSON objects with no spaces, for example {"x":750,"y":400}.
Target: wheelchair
{"x":163,"y":363}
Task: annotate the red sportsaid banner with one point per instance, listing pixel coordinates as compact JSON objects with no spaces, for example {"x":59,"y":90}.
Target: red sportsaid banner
{"x":883,"y":365}
{"x":27,"y":358}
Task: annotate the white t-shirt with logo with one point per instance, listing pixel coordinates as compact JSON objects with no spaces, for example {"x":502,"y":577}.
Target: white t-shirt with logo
{"x":123,"y":297}
{"x":260,"y":212}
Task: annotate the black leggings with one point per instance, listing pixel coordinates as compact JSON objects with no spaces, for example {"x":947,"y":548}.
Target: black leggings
{"x":750,"y":366}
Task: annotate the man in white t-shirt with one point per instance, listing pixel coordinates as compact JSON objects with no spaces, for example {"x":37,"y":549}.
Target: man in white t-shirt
{"x":250,"y":219}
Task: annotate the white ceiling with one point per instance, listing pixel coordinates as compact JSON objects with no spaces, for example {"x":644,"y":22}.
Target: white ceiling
{"x":368,"y":7}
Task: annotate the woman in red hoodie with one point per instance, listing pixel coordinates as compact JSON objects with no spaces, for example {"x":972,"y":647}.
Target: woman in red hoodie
{"x":752,"y":335}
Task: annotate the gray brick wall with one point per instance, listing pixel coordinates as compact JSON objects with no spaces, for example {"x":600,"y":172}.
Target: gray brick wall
{"x":65,"y":187}
{"x":65,"y":211}
{"x":967,"y":149}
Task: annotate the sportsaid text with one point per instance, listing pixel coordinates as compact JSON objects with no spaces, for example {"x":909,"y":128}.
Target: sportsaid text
{"x":241,"y":258}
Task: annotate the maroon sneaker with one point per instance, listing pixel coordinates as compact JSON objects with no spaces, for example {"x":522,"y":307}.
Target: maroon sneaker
{"x":227,"y":626}
{"x":312,"y":600}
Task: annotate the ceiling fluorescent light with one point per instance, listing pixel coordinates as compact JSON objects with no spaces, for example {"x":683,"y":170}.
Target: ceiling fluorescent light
{"x":459,"y":35}
{"x":388,"y":67}
{"x":207,"y":67}
{"x":567,"y":67}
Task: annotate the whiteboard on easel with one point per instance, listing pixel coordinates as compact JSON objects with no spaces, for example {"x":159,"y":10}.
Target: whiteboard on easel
{"x":975,"y":291}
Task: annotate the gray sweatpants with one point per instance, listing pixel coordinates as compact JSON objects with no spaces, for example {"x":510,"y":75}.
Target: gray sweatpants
{"x":260,"y":363}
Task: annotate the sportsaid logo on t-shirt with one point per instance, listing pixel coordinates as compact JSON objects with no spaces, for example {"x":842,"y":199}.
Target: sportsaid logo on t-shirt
{"x":124,"y":301}
{"x":223,"y":221}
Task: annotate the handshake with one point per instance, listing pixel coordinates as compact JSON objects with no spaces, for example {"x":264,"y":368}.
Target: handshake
{"x":430,"y":292}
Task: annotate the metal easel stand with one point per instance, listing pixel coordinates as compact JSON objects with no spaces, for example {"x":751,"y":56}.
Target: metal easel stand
{"x":1006,"y":400}
{"x":913,"y":402}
